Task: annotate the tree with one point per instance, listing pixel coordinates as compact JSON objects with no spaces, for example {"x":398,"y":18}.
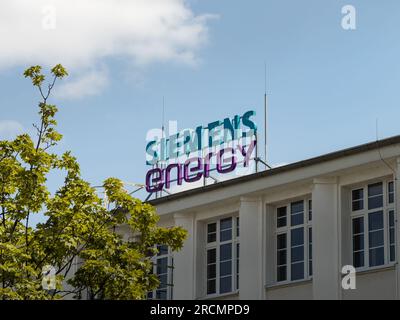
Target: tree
{"x":78,"y":226}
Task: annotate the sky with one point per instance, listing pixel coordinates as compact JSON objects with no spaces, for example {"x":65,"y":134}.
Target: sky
{"x":327,"y":86}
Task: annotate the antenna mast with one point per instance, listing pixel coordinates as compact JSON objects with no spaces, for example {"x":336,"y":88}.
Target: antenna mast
{"x":265,"y":113}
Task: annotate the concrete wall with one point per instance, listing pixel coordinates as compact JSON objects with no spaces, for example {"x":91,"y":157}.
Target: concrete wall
{"x":296,"y":291}
{"x":374,"y":285}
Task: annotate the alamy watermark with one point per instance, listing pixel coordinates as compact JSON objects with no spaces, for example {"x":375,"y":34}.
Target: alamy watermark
{"x":349,"y":19}
{"x":49,"y":19}
{"x":48,"y":277}
{"x":349,"y":279}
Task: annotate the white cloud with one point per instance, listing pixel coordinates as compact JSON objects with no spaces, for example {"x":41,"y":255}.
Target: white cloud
{"x":9,"y":129}
{"x":90,"y":83}
{"x":81,"y":34}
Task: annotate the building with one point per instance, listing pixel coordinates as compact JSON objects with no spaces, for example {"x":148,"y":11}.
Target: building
{"x":286,"y":233}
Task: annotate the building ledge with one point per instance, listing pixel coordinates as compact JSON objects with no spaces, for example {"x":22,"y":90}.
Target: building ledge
{"x":279,"y":285}
{"x":219,"y":296}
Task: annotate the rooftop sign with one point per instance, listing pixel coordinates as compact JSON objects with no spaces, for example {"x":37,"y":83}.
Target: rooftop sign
{"x":192,"y":154}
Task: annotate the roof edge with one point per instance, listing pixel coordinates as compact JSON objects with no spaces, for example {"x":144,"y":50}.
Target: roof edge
{"x":292,"y":166}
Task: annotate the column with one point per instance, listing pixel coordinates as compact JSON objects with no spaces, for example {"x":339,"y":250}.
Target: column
{"x":251,"y":280}
{"x":325,"y":229}
{"x":184,"y":275}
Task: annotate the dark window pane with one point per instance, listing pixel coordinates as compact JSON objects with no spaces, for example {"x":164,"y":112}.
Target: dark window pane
{"x":375,"y":195}
{"x":162,"y":265}
{"x":237,"y":257}
{"x":281,"y":217}
{"x":281,"y":222}
{"x":211,"y":256}
{"x":226,"y":223}
{"x":211,"y":271}
{"x":281,"y":212}
{"x":375,"y":202}
{"x":357,"y":194}
{"x":375,"y":221}
{"x":297,"y":271}
{"x":375,"y":189}
{"x":226,"y":235}
{"x":212,"y":227}
{"x":211,"y":237}
{"x":376,"y":239}
{"x":163,"y":281}
{"x":281,"y":258}
{"x":391,"y":192}
{"x":211,"y":286}
{"x":358,"y":242}
{"x":297,"y":237}
{"x":391,"y":186}
{"x":162,"y":250}
{"x":225,"y":284}
{"x":161,"y":294}
{"x":281,"y":243}
{"x":225,"y":252}
{"x":225,"y":268}
{"x":358,"y":205}
{"x":310,"y":235}
{"x":281,"y":273}
{"x":310,"y":269}
{"x":309,"y":210}
{"x":358,"y":225}
{"x":297,"y":254}
{"x":391,"y":235}
{"x":297,"y":207}
{"x":237,"y":227}
{"x":391,"y":218}
{"x":310,"y":251}
{"x":392,"y":254}
{"x":376,"y":257}
{"x":358,"y":259}
{"x":297,"y":219}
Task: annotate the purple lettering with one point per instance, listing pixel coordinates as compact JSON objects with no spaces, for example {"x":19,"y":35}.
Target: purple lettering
{"x":168,"y":174}
{"x":187,"y":170}
{"x":154,"y":184}
{"x":247,"y":154}
{"x":232,"y":167}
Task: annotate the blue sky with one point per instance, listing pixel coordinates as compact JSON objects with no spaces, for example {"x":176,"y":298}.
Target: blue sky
{"x":327,"y":86}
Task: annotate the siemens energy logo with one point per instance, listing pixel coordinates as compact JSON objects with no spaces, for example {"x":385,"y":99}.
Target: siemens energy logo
{"x":192,"y":155}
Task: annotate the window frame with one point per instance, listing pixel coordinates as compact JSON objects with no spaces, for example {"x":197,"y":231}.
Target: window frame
{"x":306,"y":225}
{"x":386,"y":208}
{"x":234,"y":241}
{"x":170,"y":275}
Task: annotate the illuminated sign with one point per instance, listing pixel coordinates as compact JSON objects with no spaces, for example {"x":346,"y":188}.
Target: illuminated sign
{"x":190,"y":155}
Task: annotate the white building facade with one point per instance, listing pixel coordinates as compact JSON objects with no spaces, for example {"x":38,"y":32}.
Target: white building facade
{"x":286,"y":233}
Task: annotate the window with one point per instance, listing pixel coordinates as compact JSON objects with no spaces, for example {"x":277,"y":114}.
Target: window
{"x":376,"y":239}
{"x":357,"y":199}
{"x":281,"y":217}
{"x":375,"y":196}
{"x":373,"y":225}
{"x":392,"y":239}
{"x":358,"y":242}
{"x":310,"y":269}
{"x":293,"y":241}
{"x":391,"y":192}
{"x":223,"y":256}
{"x":163,"y":268}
